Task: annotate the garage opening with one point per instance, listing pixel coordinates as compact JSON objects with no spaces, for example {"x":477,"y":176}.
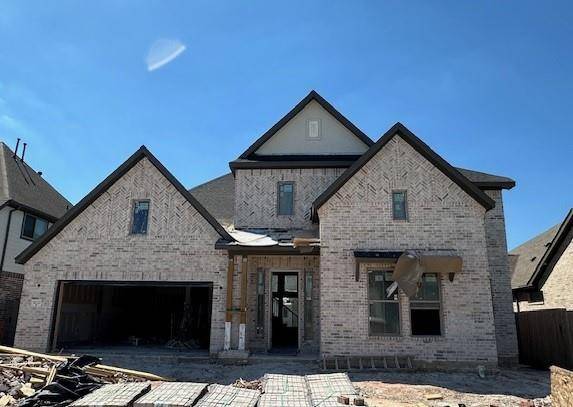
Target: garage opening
{"x":162,"y":316}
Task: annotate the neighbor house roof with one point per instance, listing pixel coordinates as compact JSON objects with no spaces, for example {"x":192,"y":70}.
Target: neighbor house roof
{"x":143,"y":152}
{"x":529,"y":262}
{"x":22,"y":187}
{"x":249,"y":153}
{"x":399,"y":130}
{"x":218,"y":197}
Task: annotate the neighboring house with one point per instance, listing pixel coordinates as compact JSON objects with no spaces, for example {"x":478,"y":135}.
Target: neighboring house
{"x":542,"y":269}
{"x":28,"y":206}
{"x":301,"y":248}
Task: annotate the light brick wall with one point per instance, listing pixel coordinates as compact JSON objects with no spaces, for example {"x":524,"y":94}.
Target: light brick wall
{"x":558,"y":289}
{"x":256,"y":196}
{"x":441,"y":216}
{"x":96,"y":245}
{"x":505,"y":329}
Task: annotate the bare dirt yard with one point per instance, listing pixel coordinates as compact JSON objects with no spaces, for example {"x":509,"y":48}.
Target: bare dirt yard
{"x":508,"y":387}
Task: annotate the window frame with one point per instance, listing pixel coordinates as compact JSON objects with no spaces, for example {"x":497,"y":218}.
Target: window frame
{"x":36,"y":218}
{"x":406,"y":212}
{"x":413,"y":301}
{"x":132,"y":217}
{"x":279,"y":185}
{"x":369,"y":302}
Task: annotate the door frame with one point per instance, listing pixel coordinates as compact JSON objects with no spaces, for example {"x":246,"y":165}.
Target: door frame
{"x":269,"y":301}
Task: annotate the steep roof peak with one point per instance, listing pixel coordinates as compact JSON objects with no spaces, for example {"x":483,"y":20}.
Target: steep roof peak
{"x":23,"y":186}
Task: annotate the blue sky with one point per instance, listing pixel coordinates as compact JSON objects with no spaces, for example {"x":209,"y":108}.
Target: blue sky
{"x":487,"y":84}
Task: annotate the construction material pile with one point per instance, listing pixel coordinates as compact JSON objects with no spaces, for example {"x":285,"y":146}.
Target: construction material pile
{"x":31,"y":379}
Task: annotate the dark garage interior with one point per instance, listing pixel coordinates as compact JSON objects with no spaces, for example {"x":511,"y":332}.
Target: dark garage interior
{"x":170,"y":316}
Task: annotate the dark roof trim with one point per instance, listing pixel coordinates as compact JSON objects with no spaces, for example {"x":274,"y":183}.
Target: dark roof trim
{"x":249,"y":165}
{"x":541,"y":272}
{"x":400,"y":130}
{"x":143,"y":152}
{"x":268,"y":250}
{"x":306,"y":157}
{"x":370,"y":254}
{"x":494,"y":185}
{"x":313,"y":95}
{"x":16,"y":205}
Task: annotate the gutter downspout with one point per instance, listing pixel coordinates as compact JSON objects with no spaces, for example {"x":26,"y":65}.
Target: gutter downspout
{"x":6,"y":238}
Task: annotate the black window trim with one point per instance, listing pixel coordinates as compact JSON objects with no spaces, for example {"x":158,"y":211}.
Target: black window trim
{"x":369,"y":301}
{"x":279,"y":184}
{"x":440,"y":310}
{"x":132,"y":216}
{"x":406,"y":212}
{"x":31,"y":239}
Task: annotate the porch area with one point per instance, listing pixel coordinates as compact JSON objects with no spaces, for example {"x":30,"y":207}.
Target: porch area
{"x":273,"y":308}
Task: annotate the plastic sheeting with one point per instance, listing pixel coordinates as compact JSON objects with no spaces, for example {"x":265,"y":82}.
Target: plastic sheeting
{"x":412,"y":264}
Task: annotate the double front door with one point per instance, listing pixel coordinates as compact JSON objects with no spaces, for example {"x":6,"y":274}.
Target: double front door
{"x":285,"y":310}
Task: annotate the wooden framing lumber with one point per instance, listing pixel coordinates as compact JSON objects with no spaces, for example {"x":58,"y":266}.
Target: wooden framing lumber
{"x":230,"y":272}
{"x":96,"y":368}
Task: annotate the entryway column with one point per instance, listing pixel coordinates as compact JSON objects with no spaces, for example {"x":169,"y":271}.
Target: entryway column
{"x":243,"y":314}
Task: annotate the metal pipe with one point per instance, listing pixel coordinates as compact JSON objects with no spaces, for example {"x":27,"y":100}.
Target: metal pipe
{"x":16,"y":149}
{"x":24,"y":151}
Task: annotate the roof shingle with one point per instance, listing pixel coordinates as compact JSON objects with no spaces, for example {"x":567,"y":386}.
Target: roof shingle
{"x":22,"y":185}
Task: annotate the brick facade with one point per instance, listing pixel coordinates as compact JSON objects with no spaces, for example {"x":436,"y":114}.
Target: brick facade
{"x":10,"y":292}
{"x":504,"y":319}
{"x":256,"y":196}
{"x":441,"y":216}
{"x":96,"y":245}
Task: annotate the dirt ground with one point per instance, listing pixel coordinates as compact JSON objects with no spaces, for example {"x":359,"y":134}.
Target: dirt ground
{"x":388,"y":389}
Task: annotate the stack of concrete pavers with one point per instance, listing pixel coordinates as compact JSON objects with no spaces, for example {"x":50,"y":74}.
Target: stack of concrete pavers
{"x":110,"y":395}
{"x":172,"y":395}
{"x":225,"y":396}
{"x":324,"y":389}
{"x":284,"y":391}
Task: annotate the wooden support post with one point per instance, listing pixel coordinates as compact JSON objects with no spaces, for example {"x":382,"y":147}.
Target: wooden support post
{"x":229,"y":314}
{"x":243,"y":314}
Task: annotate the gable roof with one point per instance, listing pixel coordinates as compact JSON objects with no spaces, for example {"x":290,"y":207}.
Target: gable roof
{"x":22,"y":187}
{"x":313,"y":95}
{"x":530,"y":260}
{"x":218,"y":197}
{"x":143,"y":152}
{"x":422,"y":148}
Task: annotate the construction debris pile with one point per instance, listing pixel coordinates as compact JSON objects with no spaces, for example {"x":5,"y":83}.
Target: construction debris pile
{"x":30,"y":379}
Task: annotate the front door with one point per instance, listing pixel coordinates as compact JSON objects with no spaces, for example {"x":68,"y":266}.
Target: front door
{"x":284,"y":318}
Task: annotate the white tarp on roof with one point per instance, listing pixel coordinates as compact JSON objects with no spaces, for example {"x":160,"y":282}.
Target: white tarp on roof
{"x":251,"y":239}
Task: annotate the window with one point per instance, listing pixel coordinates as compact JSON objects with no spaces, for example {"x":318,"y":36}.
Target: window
{"x":285,"y":198}
{"x":140,"y":218}
{"x":33,"y":227}
{"x":425,"y":307}
{"x":399,"y":211}
{"x":313,"y":129}
{"x":384,"y":317}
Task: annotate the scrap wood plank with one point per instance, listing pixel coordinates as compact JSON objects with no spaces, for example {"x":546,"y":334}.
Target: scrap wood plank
{"x":136,"y":373}
{"x":51,"y":375}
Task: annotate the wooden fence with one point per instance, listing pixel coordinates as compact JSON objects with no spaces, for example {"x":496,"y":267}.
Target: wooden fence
{"x":545,"y":337}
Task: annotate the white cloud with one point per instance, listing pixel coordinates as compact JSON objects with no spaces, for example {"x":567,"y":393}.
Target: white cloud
{"x":162,"y":52}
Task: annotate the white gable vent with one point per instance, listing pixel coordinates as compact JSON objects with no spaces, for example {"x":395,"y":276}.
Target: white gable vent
{"x":313,"y":129}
